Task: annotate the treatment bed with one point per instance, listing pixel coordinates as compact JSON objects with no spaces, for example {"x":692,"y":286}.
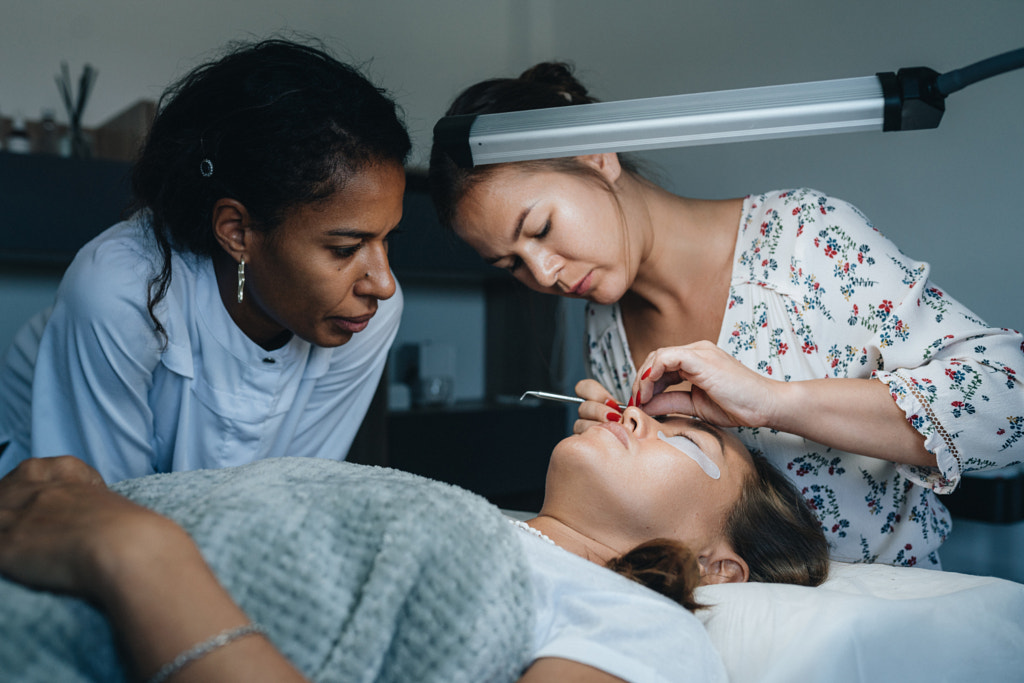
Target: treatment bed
{"x":870,"y":623}
{"x":867,"y":623}
{"x":328,"y":556}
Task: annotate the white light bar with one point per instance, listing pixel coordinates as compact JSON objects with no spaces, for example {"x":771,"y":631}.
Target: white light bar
{"x":814,"y":108}
{"x":911,"y":99}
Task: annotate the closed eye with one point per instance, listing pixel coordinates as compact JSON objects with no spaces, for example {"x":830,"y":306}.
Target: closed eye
{"x":695,"y":430}
{"x":694,"y":451}
{"x":347,"y":251}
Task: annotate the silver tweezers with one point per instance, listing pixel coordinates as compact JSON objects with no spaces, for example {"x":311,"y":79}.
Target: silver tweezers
{"x":562,"y":398}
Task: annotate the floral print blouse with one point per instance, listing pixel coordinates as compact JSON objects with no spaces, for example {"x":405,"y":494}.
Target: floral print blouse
{"x":817,"y":292}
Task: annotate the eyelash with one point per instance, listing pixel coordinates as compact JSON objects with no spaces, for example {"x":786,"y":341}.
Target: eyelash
{"x":516,"y":261}
{"x":347,"y":252}
{"x":675,"y":432}
{"x":350,"y":251}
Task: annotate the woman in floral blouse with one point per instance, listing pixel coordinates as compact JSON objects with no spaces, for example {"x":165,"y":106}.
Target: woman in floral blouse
{"x":785,"y":315}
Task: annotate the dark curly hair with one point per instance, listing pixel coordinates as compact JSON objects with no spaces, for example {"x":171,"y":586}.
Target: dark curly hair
{"x":280,"y":124}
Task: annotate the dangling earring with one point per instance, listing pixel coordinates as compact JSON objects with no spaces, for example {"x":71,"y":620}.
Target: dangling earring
{"x":241,"y":279}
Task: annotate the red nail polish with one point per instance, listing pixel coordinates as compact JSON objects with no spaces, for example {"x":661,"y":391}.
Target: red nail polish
{"x":613,"y":417}
{"x":647,"y":373}
{"x":630,"y":402}
{"x":612,"y":404}
{"x":638,"y":398}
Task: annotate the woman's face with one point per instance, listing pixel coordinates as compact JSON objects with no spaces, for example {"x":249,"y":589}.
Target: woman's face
{"x":622,"y":483}
{"x":321,"y":272}
{"x":556,"y":232}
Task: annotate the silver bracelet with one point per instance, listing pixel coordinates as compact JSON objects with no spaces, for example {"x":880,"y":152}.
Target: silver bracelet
{"x":202,"y":649}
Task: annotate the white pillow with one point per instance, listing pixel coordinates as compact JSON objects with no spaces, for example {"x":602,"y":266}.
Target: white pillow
{"x":870,"y":623}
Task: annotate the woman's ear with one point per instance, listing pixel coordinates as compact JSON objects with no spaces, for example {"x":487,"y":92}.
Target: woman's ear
{"x":231,"y":226}
{"x":606,"y":164}
{"x":723,"y":565}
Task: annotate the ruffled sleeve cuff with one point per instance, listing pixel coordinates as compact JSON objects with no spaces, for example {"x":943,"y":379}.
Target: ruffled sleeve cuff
{"x":910,"y":395}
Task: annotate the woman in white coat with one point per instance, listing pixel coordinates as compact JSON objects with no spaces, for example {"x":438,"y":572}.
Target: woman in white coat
{"x":246,"y":308}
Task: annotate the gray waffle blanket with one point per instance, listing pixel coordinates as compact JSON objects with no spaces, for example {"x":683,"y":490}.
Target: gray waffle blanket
{"x":359,"y":574}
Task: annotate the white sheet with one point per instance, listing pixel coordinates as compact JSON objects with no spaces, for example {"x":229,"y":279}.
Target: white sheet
{"x":870,"y":623}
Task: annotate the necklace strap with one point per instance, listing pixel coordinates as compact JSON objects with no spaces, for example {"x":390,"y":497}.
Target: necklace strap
{"x":530,"y":530}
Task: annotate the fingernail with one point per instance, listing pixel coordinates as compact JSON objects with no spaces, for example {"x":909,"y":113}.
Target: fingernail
{"x":638,"y":397}
{"x":630,"y":402}
{"x":613,"y":417}
{"x":647,"y":373}
{"x":612,"y":404}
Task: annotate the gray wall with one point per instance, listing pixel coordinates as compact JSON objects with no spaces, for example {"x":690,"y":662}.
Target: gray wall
{"x":945,"y":196}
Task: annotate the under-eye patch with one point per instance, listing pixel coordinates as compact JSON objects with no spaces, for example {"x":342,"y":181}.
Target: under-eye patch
{"x":694,"y":452}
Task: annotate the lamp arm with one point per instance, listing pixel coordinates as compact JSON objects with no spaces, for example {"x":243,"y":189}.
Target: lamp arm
{"x":915,"y":97}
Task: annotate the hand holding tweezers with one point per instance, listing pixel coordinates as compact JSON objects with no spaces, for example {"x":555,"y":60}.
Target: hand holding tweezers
{"x":562,"y":398}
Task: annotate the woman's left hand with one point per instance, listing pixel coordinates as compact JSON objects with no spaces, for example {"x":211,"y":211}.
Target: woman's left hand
{"x":57,"y":517}
{"x":62,"y":529}
{"x":724,"y":392}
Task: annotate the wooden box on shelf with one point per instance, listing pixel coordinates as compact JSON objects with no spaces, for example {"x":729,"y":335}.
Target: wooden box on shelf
{"x":120,"y":136}
{"x":116,"y":139}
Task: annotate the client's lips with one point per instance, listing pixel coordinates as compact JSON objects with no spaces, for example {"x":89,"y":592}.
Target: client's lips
{"x":618,"y":430}
{"x":354,"y":324}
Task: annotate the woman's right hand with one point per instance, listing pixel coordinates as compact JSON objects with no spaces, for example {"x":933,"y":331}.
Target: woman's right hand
{"x":598,"y":406}
{"x":58,"y":521}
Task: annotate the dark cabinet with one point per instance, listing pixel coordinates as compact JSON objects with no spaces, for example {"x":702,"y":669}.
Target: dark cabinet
{"x":498,"y":451}
{"x":50,"y":206}
{"x":493,"y":447}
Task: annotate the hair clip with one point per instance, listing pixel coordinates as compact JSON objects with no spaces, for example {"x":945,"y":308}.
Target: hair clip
{"x":206,"y":168}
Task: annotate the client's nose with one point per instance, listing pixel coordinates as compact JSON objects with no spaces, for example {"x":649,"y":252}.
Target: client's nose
{"x":635,"y":420}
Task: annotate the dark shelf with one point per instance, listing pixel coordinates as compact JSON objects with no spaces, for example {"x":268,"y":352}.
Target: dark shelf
{"x":997,"y":500}
{"x":51,"y":206}
{"x":499,"y":451}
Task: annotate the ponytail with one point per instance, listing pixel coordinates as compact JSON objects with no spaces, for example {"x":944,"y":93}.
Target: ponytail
{"x":665,"y":566}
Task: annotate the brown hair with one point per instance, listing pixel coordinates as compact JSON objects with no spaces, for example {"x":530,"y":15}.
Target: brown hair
{"x":665,"y":566}
{"x":774,"y":530}
{"x":771,"y":527}
{"x":546,"y":85}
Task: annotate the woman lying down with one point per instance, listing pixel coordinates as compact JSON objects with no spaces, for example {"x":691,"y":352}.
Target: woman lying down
{"x":295,"y":569}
